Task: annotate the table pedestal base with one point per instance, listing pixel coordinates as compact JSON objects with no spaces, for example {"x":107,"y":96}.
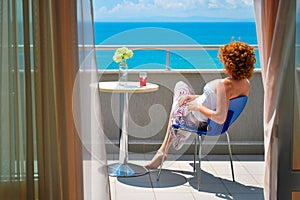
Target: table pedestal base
{"x":126,"y":170}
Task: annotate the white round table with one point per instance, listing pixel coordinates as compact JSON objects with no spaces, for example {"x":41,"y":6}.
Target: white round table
{"x":123,"y":168}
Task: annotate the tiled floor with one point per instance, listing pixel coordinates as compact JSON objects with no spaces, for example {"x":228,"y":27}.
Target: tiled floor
{"x":177,"y":180}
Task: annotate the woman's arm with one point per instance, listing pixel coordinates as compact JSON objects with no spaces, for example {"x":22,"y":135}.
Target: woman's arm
{"x":219,"y":115}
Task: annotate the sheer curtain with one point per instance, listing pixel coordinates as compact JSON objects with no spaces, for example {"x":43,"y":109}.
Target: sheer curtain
{"x":276,"y":41}
{"x":296,"y":144}
{"x":40,"y":148}
{"x":15,"y":184}
{"x":87,"y":110}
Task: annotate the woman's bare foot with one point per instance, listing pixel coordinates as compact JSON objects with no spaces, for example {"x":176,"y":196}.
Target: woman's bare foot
{"x":156,"y":160}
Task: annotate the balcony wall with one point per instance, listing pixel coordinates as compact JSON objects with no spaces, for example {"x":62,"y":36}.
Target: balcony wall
{"x":148,"y":113}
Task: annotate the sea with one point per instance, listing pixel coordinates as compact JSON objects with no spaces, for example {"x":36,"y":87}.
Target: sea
{"x":170,"y":33}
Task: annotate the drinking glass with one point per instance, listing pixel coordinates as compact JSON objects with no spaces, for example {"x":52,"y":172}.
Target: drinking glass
{"x":143,"y":78}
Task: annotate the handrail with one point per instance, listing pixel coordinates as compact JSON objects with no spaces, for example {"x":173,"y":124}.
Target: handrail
{"x":166,"y":48}
{"x":159,"y":47}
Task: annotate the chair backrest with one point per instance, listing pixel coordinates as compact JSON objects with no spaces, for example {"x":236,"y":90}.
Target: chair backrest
{"x":236,"y":106}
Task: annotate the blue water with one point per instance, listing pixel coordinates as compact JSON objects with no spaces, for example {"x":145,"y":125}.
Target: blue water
{"x":170,"y":33}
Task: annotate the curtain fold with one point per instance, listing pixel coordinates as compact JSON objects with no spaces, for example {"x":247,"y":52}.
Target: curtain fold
{"x":28,"y":102}
{"x":40,"y":150}
{"x":275,"y":39}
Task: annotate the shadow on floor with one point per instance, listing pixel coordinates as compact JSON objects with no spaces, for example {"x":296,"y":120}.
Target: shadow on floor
{"x":222,"y":188}
{"x":169,"y":178}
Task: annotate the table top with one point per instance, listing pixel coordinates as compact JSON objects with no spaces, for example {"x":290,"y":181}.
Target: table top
{"x":130,"y":87}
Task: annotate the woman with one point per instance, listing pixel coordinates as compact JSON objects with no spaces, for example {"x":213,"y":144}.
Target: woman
{"x":238,"y":59}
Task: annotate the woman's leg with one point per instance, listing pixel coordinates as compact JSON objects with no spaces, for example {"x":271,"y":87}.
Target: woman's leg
{"x":156,"y":160}
{"x":165,"y":144}
{"x":180,"y":89}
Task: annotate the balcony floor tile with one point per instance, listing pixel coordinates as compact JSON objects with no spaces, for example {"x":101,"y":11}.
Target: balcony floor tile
{"x":179,"y":181}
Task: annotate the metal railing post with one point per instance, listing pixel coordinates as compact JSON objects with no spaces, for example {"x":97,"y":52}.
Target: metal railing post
{"x":168,"y":59}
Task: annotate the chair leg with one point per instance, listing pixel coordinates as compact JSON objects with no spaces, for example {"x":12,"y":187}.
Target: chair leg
{"x":163,"y":158}
{"x":230,"y":156}
{"x":199,"y":161}
{"x":195,"y":153}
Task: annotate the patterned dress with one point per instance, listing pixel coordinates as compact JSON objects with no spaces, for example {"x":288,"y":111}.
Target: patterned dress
{"x":181,"y":115}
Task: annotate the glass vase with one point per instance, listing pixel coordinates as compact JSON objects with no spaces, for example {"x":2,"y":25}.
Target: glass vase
{"x":123,"y":73}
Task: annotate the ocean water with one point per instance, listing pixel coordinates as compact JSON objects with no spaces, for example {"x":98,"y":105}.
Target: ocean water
{"x":170,"y":33}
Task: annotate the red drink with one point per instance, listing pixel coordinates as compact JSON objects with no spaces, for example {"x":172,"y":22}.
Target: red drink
{"x":143,"y":80}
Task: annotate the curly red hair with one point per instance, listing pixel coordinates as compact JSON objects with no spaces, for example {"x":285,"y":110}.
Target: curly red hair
{"x":238,"y":59}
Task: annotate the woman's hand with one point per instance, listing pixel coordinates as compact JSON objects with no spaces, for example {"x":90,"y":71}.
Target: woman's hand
{"x":193,"y":106}
{"x":186,"y":99}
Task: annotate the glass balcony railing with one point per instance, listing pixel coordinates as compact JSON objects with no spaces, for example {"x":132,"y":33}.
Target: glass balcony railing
{"x":166,"y":57}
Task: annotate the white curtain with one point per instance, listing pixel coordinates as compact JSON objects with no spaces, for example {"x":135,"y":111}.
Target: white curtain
{"x":87,"y":111}
{"x":275,"y":40}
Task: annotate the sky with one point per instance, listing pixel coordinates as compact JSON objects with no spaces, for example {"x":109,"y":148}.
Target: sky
{"x":173,"y":10}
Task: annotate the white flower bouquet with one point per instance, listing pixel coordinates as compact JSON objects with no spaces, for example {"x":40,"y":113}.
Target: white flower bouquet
{"x":122,"y":54}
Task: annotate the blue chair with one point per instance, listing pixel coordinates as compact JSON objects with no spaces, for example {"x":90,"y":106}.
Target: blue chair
{"x":236,"y":106}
